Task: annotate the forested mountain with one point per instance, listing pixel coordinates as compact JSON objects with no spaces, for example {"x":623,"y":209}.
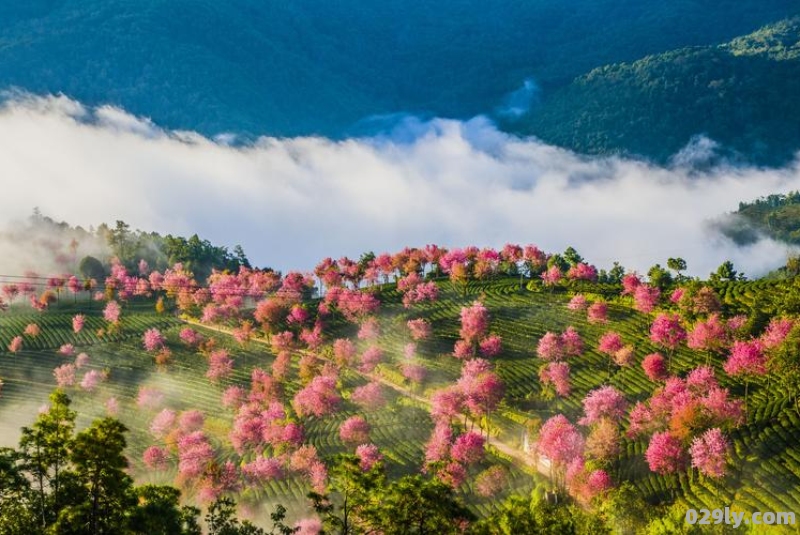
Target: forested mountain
{"x":315,"y":67}
{"x":736,"y":94}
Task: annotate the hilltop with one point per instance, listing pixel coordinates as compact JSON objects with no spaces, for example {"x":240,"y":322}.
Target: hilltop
{"x":462,"y":363}
{"x":733,"y":93}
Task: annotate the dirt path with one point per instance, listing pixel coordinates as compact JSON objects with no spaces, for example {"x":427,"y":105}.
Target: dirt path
{"x":539,"y":463}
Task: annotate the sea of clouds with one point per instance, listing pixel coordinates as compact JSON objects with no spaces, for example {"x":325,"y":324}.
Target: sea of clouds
{"x":291,"y":202}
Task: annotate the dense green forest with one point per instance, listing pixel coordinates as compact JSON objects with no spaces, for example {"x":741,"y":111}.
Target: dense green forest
{"x":316,"y":67}
{"x":735,"y":93}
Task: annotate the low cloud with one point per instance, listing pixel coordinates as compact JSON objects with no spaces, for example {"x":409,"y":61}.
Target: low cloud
{"x":290,"y":202}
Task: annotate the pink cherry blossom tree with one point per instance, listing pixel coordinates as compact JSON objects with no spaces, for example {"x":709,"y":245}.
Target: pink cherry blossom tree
{"x":491,"y":481}
{"x":550,"y":347}
{"x":220,"y":365}
{"x":65,"y":375}
{"x":370,"y":358}
{"x":163,"y":423}
{"x":655,"y":367}
{"x":604,"y":403}
{"x":153,"y":340}
{"x":149,"y":398}
{"x":665,"y":454}
{"x":78,"y":321}
{"x":355,"y":430}
{"x":746,"y":360}
{"x":156,"y":458}
{"x":668,"y":332}
{"x":557,"y":375}
{"x":560,"y":442}
{"x":369,"y":397}
{"x":318,"y":398}
{"x":468,"y":448}
{"x":597,"y":312}
{"x":578,"y":302}
{"x":111,"y":312}
{"x":15,"y":345}
{"x":420,"y":329}
{"x":709,"y":453}
{"x":368,"y":455}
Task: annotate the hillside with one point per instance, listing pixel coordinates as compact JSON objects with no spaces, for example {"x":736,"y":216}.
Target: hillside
{"x":284,"y":349}
{"x":313,"y":67}
{"x":734,"y":93}
{"x":775,"y":216}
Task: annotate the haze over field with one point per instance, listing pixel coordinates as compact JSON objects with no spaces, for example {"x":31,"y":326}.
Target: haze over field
{"x":292,"y":201}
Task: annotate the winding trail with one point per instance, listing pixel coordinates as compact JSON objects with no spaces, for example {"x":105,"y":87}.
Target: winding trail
{"x":535,"y":462}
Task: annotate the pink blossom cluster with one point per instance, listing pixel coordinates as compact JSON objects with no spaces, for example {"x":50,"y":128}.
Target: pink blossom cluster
{"x":318,"y":398}
{"x":369,"y":397}
{"x":557,"y":375}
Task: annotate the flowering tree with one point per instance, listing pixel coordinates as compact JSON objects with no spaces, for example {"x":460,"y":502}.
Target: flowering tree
{"x":474,"y":324}
{"x":369,"y":396}
{"x":665,"y":454}
{"x":604,"y":403}
{"x":162,"y":423}
{"x":559,"y":441}
{"x":655,"y":367}
{"x":630,"y":281}
{"x":468,"y":448}
{"x":264,"y":469}
{"x":153,"y":340}
{"x":194,"y":455}
{"x":191,"y":420}
{"x":156,"y":458}
{"x":491,"y":481}
{"x":645,"y":298}
{"x":149,"y":398}
{"x":747,"y":360}
{"x":111,"y":312}
{"x":15,"y":345}
{"x":556,"y":374}
{"x":582,"y":271}
{"x":415,"y":373}
{"x":190,"y":337}
{"x":368,"y":455}
{"x":370,"y":359}
{"x":776,"y":332}
{"x":91,"y":379}
{"x":438,"y":446}
{"x":318,"y":398}
{"x":491,"y":346}
{"x":65,"y":375}
{"x":709,"y":335}
{"x":354,"y":430}
{"x":552,"y":276}
{"x":343,"y":351}
{"x":610,"y":343}
{"x":82,"y":360}
{"x":709,"y":453}
{"x":597,"y":312}
{"x":578,"y":302}
{"x":370,"y":329}
{"x":550,"y":347}
{"x":571,"y":342}
{"x":668,"y":332}
{"x":78,"y":321}
{"x":220,"y":365}
{"x":603,"y":441}
{"x":420,"y":329}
